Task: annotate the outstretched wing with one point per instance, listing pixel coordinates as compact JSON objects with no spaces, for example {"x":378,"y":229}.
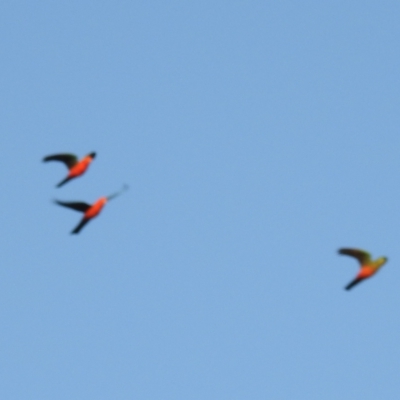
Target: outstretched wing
{"x":362,"y":256}
{"x":68,"y":159}
{"x":354,"y":282}
{"x":75,"y":205}
{"x":81,"y":224}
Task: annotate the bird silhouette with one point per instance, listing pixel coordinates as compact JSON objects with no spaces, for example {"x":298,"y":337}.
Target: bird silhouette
{"x":368,"y":267}
{"x":76,"y":167}
{"x":90,"y":210}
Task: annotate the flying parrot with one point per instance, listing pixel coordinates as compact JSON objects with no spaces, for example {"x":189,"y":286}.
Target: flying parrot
{"x":368,"y":267}
{"x":76,"y":167}
{"x":90,"y":211}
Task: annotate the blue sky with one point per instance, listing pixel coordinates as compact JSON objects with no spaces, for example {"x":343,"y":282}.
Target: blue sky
{"x":257,"y":138}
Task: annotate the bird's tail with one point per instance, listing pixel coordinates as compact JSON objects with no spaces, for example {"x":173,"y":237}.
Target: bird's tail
{"x":81,"y":224}
{"x":353,"y":283}
{"x":64,"y":181}
{"x":112,"y":196}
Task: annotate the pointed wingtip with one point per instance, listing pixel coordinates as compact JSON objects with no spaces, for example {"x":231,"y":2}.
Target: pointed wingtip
{"x":46,"y":158}
{"x":354,"y":282}
{"x":63,"y":182}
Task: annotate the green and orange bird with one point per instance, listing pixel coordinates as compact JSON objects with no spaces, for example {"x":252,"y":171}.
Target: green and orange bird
{"x":76,"y":167}
{"x":368,"y":267}
{"x":90,"y":211}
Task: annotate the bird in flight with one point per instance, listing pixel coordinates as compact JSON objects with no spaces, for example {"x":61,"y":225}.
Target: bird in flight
{"x":368,"y":267}
{"x":76,"y":167}
{"x":90,"y":210}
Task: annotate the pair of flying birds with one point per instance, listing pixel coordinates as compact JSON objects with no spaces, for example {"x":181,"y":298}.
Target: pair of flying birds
{"x":77,"y":168}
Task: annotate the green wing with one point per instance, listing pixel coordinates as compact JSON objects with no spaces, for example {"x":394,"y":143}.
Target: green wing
{"x":362,"y":256}
{"x":68,"y":159}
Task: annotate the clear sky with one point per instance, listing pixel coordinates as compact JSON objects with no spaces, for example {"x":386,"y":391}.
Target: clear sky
{"x":257,"y":138}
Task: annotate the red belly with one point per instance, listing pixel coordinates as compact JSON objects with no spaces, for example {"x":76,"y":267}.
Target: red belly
{"x":366,"y":272}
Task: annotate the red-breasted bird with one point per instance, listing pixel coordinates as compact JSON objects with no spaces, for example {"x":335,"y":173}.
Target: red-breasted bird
{"x":368,"y":267}
{"x":90,"y":211}
{"x":76,"y":167}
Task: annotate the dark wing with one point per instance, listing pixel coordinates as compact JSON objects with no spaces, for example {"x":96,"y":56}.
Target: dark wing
{"x":68,"y":159}
{"x":75,"y":205}
{"x":362,"y":256}
{"x":81,"y":224}
{"x":64,"y":181}
{"x":353,"y":283}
